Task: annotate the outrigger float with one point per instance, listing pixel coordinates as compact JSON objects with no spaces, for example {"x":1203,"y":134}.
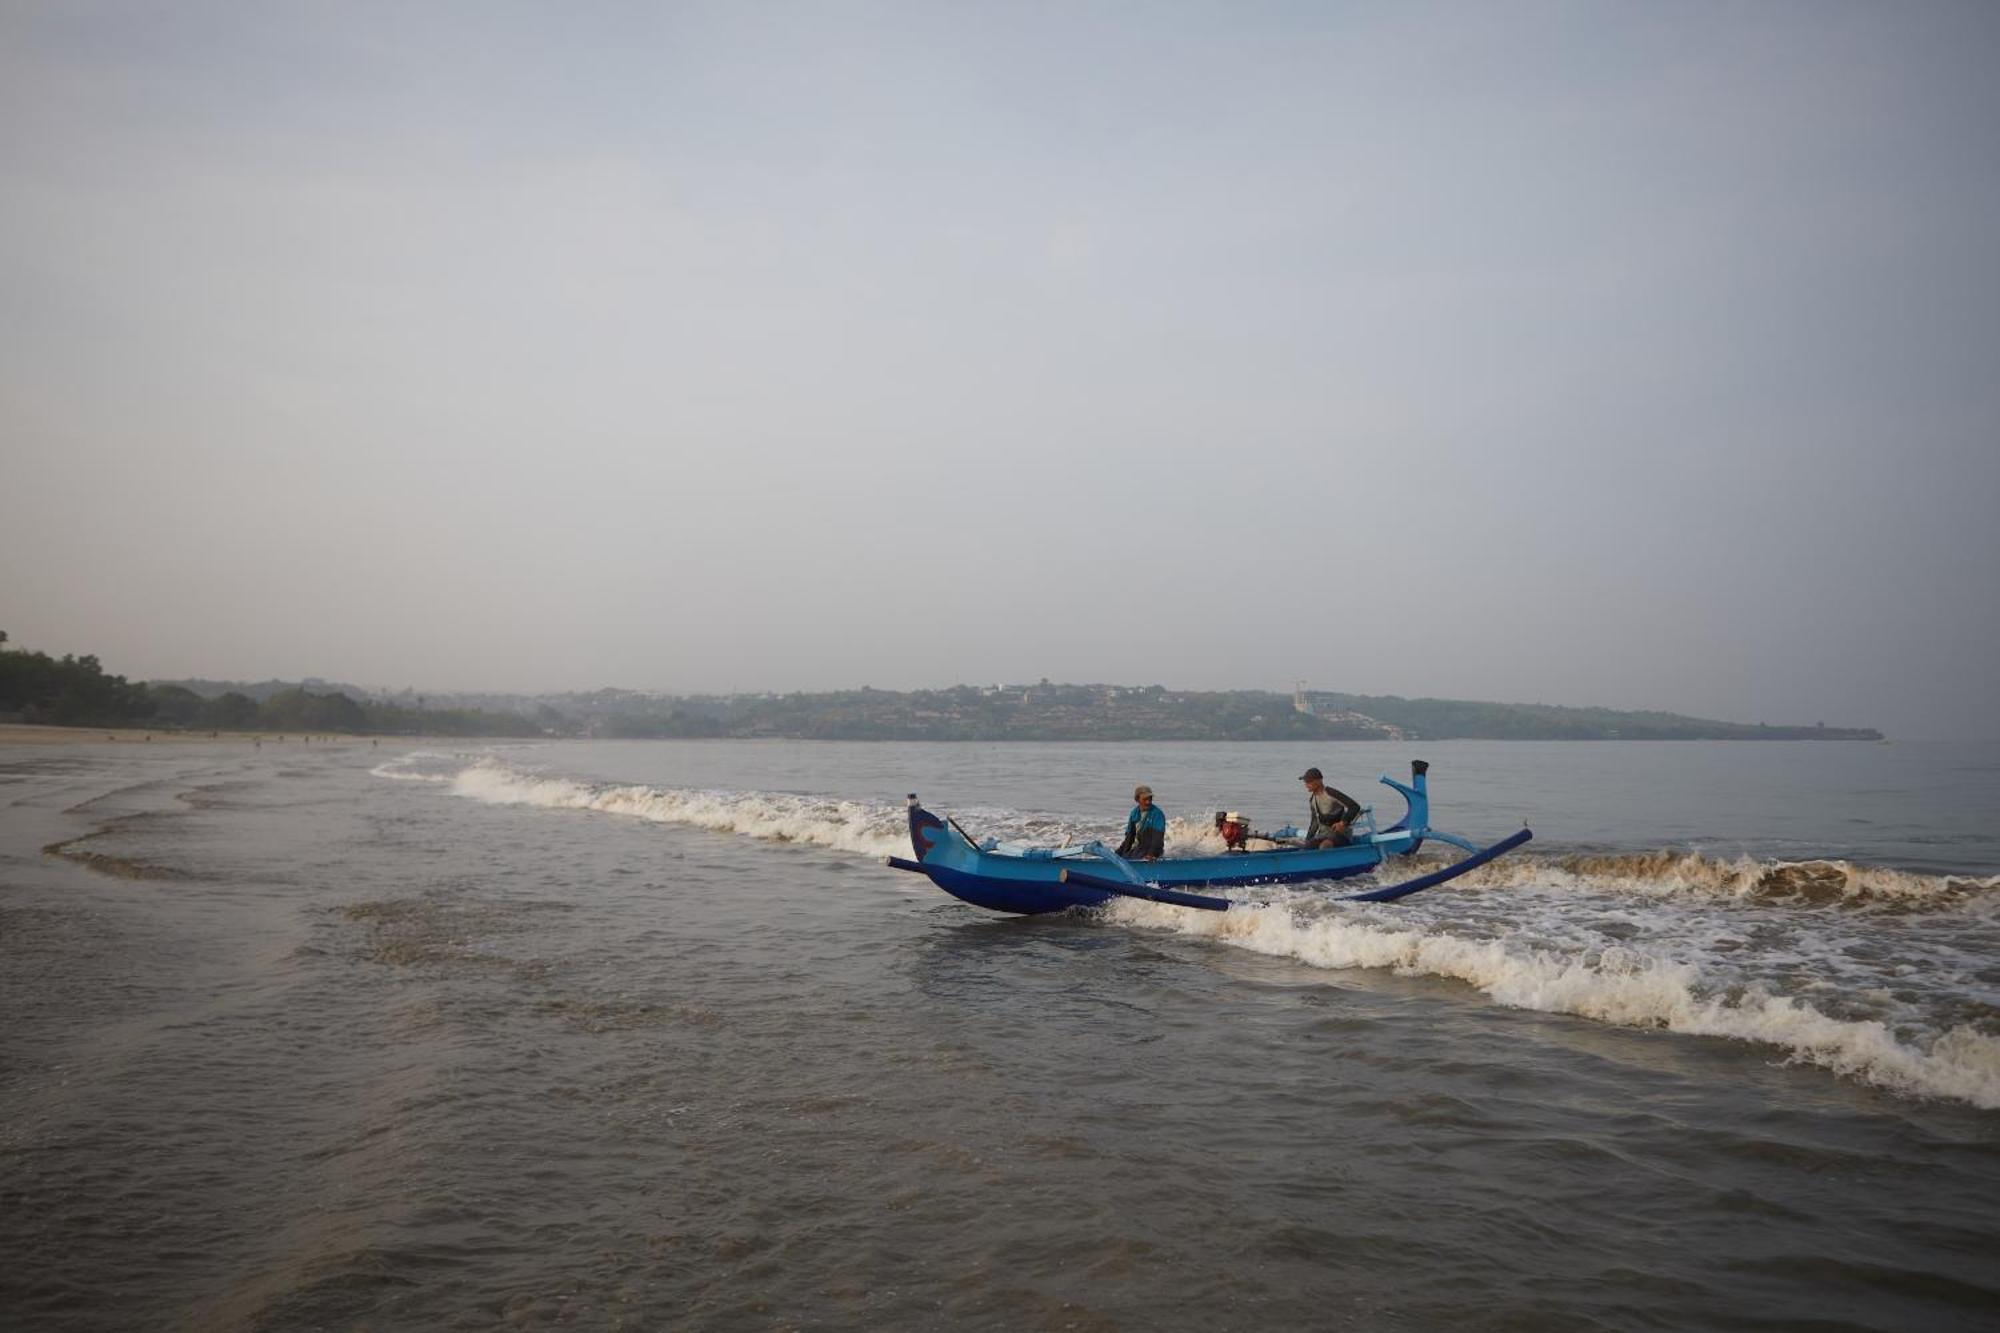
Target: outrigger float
{"x":1011,"y":877}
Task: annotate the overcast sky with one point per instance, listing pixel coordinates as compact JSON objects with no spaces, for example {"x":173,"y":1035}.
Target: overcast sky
{"x":1644,"y":355}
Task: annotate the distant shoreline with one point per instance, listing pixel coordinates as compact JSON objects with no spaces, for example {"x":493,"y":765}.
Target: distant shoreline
{"x":42,"y":733}
{"x":76,"y":692}
{"x":37,"y":733}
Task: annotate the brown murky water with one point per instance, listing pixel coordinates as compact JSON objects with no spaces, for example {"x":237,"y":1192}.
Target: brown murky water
{"x":289,"y":1043}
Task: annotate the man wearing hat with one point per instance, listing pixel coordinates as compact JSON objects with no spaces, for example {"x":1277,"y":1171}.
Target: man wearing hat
{"x":1332,"y":811}
{"x":1145,"y":828}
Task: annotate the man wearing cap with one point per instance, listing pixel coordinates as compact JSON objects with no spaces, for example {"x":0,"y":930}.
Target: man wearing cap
{"x":1332,"y":811}
{"x":1145,"y":828}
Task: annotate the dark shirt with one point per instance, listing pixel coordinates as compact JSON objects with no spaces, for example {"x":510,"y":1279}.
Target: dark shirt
{"x":1145,"y":834}
{"x":1330,"y":806}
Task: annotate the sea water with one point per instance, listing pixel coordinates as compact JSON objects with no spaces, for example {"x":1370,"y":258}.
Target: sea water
{"x":644,"y":1034}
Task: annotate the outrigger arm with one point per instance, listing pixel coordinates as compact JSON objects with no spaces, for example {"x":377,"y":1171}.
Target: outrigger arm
{"x":1480,"y":856}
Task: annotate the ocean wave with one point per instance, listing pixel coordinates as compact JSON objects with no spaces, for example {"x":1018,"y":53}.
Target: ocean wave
{"x":847,"y":826}
{"x":1669,"y":872}
{"x":877,"y":828}
{"x":420,"y":766}
{"x":1766,"y":951}
{"x":866,"y":828}
{"x":1625,"y":986}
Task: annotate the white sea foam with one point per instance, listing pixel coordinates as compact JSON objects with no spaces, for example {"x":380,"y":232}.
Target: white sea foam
{"x":1611,"y":982}
{"x":420,"y":766}
{"x":865,"y":828}
{"x":848,"y":826}
{"x":1668,"y":872}
{"x":1877,"y":974}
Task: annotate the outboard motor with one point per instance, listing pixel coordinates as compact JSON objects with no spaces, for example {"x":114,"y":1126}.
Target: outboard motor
{"x":1234,"y":828}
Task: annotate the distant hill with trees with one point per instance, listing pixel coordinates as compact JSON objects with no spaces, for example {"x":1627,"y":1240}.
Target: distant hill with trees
{"x":1050,"y":712}
{"x":1459,"y":719}
{"x":77,"y":691}
{"x":71,"y":691}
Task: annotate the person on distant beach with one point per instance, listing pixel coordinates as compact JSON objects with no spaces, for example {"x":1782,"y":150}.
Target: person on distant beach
{"x":1145,"y":828}
{"x":1332,"y":811}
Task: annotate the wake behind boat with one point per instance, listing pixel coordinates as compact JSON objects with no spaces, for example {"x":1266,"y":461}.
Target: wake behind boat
{"x":1012,"y":877}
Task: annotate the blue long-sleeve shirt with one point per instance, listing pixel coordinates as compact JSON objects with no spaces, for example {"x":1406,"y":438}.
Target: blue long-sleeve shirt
{"x":1145,"y":832}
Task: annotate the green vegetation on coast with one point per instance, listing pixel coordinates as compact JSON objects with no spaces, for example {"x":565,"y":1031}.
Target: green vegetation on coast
{"x":1051,"y":712}
{"x":1459,"y":719}
{"x":76,"y":691}
{"x":72,"y":691}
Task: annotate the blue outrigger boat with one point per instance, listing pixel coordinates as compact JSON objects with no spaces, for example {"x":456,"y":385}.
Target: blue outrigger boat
{"x":1009,"y":877}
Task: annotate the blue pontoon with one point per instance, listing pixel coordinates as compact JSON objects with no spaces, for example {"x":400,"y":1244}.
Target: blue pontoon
{"x":1007,"y":877}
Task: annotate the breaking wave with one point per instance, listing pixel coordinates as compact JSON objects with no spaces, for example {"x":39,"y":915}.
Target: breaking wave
{"x":1880,"y":975}
{"x":867,"y":828}
{"x":419,"y":766}
{"x":1647,"y":987}
{"x":847,"y":826}
{"x":1668,"y":872}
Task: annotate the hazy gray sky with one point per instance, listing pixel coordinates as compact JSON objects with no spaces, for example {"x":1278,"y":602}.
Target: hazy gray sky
{"x":1634,"y":354}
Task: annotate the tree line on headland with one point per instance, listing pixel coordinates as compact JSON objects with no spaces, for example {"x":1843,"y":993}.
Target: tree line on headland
{"x":71,"y":691}
{"x":77,"y":691}
{"x":1056,"y":712}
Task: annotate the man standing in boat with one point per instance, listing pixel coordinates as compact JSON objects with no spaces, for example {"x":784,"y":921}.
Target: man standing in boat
{"x":1332,"y":811}
{"x":1145,"y":828}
